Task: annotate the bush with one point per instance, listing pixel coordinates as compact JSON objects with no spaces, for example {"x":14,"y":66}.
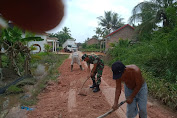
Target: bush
{"x":91,"y":48}
{"x":157,"y":58}
{"x":47,"y":47}
{"x":161,"y":89}
{"x":5,"y":61}
{"x":60,"y":48}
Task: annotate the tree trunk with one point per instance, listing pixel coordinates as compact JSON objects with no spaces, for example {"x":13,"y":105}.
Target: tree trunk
{"x":0,"y":49}
{"x":1,"y":76}
{"x":0,"y":57}
{"x":27,"y":65}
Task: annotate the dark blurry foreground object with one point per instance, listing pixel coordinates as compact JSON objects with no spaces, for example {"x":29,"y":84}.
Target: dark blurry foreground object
{"x":33,"y":15}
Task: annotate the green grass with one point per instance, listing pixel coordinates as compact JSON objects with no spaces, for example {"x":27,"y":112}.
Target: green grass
{"x":160,"y":89}
{"x":52,"y":75}
{"x":26,"y":81}
{"x":14,"y":90}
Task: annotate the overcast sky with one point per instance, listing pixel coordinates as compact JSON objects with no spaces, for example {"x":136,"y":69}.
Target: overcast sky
{"x":81,"y":15}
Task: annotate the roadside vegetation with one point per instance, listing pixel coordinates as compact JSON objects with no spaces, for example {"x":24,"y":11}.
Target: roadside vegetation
{"x":53,"y":61}
{"x":25,"y":74}
{"x":155,"y":49}
{"x":157,"y":60}
{"x":25,"y":92}
{"x":91,"y":48}
{"x":17,"y":52}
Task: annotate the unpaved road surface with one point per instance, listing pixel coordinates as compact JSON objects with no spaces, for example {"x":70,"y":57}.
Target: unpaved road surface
{"x":61,"y":99}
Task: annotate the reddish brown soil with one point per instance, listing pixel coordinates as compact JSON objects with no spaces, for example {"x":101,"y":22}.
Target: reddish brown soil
{"x":61,"y":100}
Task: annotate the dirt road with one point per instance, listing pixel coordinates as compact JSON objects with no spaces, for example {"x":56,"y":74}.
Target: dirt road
{"x":61,"y":100}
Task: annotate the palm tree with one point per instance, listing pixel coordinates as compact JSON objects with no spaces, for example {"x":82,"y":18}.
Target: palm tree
{"x":106,"y":32}
{"x":117,"y":21}
{"x":110,"y":21}
{"x":150,"y":13}
{"x":66,"y":31}
{"x":98,"y":32}
{"x":106,"y":20}
{"x":62,"y":35}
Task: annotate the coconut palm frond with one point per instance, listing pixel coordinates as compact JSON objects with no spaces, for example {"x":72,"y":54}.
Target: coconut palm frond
{"x":110,"y":20}
{"x":135,"y":18}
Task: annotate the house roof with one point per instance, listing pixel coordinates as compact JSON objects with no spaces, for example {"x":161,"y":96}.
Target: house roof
{"x":93,"y":38}
{"x":52,"y":38}
{"x":120,"y":29}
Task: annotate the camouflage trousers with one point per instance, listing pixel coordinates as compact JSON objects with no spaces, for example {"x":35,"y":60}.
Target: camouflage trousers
{"x":99,"y":71}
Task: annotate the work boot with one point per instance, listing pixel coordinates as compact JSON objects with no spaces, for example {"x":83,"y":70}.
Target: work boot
{"x":71,"y":68}
{"x":81,"y":67}
{"x":96,"y":89}
{"x":94,"y":84}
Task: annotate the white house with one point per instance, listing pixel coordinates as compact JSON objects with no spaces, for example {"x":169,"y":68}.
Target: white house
{"x":52,"y":41}
{"x":40,"y":48}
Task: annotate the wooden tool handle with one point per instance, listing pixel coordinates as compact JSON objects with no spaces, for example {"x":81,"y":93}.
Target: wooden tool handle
{"x":110,"y":111}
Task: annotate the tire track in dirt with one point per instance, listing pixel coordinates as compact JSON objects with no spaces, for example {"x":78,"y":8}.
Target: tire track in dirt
{"x":71,"y":100}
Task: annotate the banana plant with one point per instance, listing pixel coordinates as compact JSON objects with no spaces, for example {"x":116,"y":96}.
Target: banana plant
{"x":16,"y":45}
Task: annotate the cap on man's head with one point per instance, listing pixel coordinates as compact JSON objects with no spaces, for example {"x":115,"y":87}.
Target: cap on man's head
{"x":118,"y":68}
{"x":84,"y":56}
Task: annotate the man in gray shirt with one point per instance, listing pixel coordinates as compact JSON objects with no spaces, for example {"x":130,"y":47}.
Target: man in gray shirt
{"x":75,"y":59}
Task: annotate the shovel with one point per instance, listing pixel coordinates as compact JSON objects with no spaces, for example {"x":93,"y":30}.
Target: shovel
{"x":80,"y":93}
{"x":110,"y":111}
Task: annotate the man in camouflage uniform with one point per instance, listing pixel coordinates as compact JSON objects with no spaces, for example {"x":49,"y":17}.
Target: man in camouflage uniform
{"x":97,"y":69}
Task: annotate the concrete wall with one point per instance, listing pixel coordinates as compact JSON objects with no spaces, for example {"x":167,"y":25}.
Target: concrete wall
{"x":41,"y":43}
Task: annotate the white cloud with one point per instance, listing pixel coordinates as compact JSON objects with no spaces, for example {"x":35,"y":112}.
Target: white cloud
{"x":81,"y":15}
